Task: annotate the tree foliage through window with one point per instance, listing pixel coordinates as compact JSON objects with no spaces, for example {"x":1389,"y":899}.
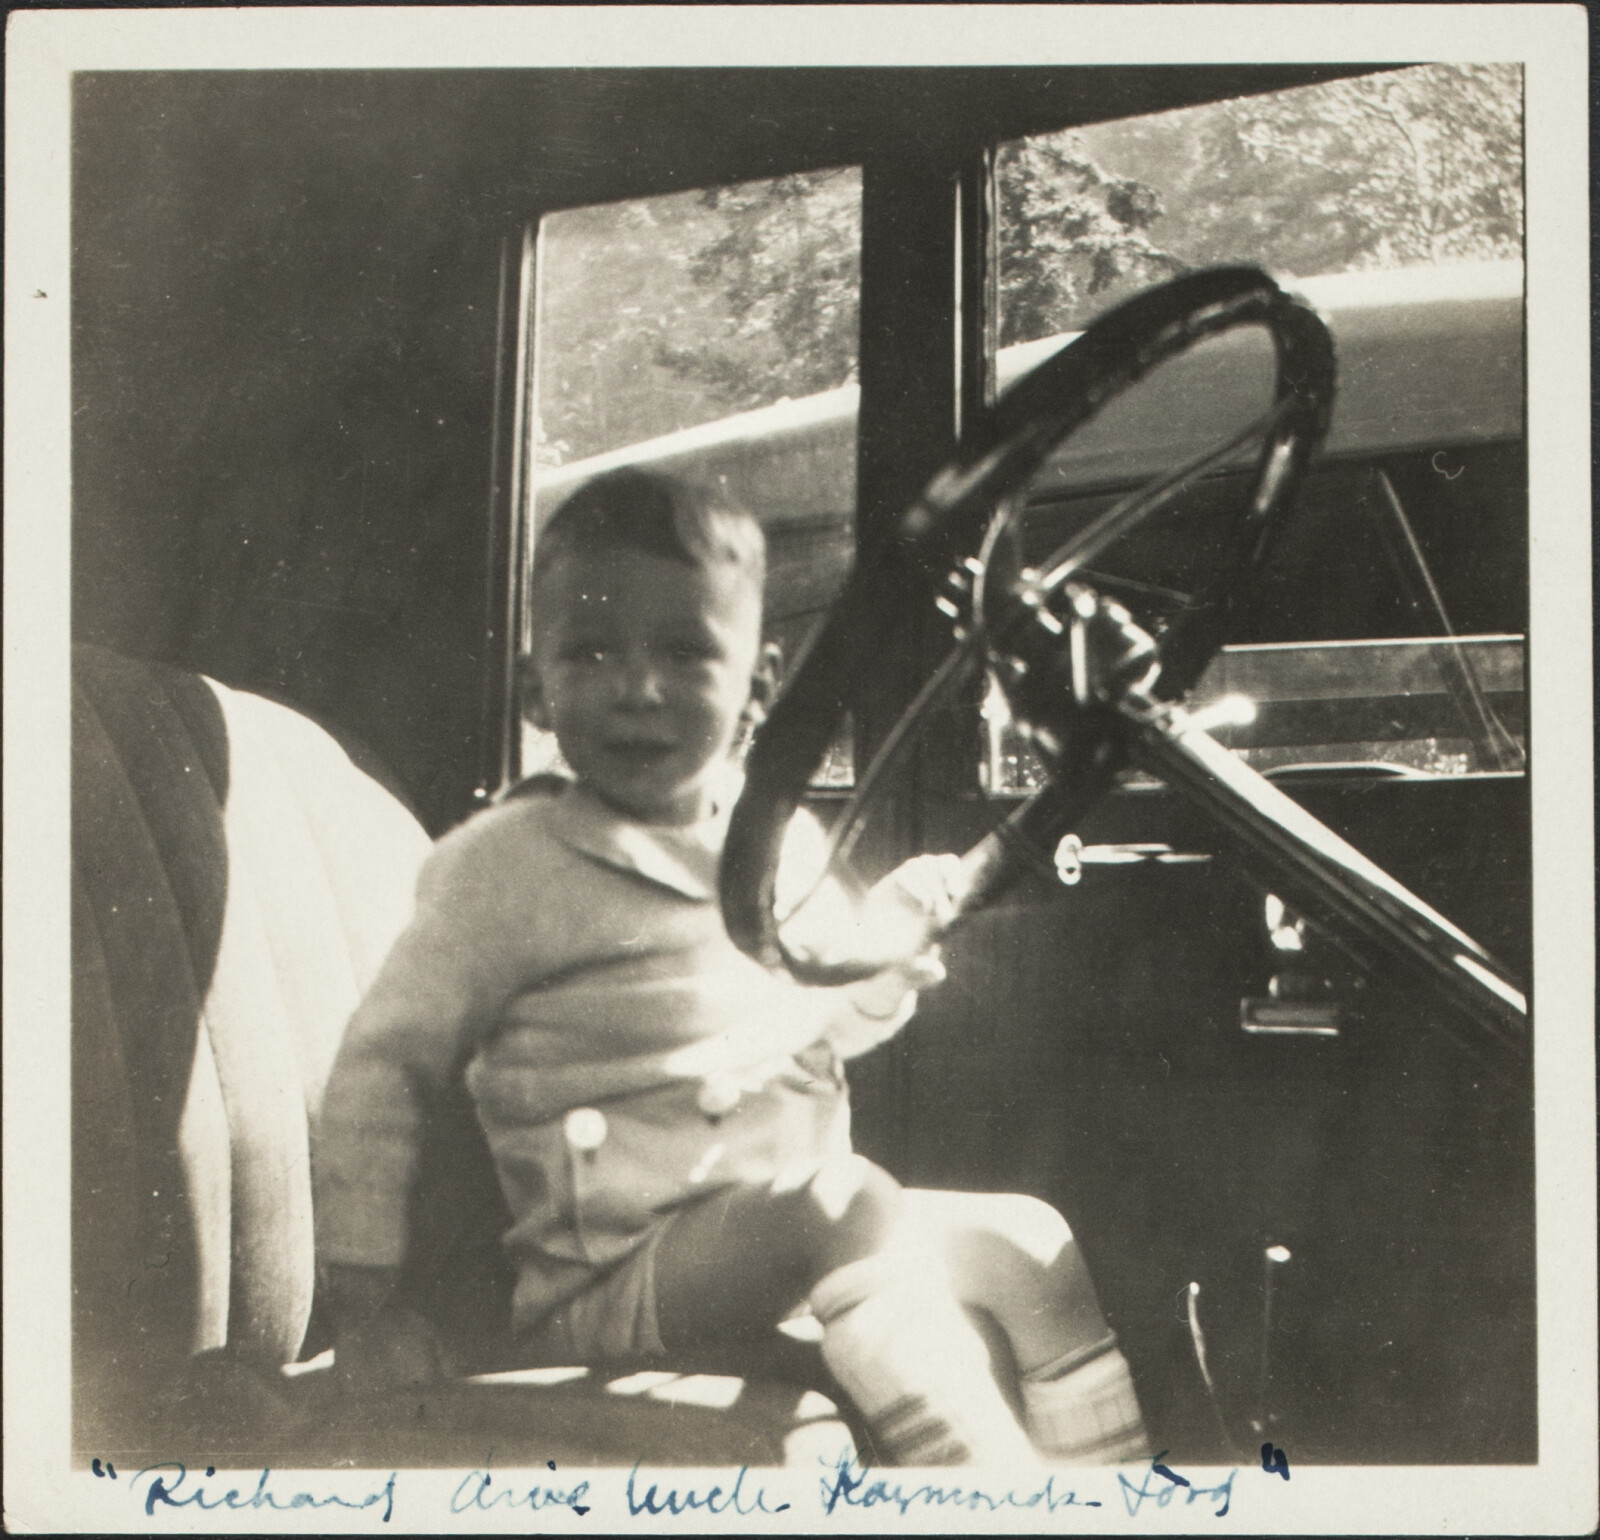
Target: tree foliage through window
{"x":658,"y":315}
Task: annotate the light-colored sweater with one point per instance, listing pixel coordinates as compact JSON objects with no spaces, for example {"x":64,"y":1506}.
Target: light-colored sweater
{"x":576,"y":964}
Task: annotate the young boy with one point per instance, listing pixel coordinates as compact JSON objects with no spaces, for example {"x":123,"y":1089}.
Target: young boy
{"x":669,"y":1121}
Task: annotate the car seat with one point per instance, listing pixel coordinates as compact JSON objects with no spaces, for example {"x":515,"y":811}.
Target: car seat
{"x":237,"y":881}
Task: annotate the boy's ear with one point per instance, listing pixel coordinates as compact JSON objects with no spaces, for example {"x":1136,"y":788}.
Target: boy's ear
{"x":530,"y":693}
{"x":763,"y":688}
{"x":765,"y":676}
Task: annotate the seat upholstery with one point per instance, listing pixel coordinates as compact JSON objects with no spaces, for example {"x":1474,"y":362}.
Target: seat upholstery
{"x":237,"y":882}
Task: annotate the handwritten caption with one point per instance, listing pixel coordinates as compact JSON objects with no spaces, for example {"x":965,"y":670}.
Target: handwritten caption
{"x":845,"y":1487}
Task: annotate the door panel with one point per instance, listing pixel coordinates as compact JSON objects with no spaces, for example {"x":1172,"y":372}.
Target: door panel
{"x":1088,"y":1048}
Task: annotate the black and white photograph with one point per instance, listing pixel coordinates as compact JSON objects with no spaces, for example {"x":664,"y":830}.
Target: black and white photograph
{"x":796,"y":768}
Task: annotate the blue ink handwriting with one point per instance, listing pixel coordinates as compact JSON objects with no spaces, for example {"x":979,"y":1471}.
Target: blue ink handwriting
{"x":473,"y":1492}
{"x":1135,"y":1497}
{"x":110,"y":1469}
{"x":714,"y":1501}
{"x":1275,"y":1461}
{"x":847,"y":1483}
{"x":165,"y":1490}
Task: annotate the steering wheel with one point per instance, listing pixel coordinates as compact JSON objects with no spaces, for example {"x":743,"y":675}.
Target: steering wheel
{"x":1065,"y":656}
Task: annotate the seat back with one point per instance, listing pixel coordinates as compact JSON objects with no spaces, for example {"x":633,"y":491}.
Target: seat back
{"x":237,"y":882}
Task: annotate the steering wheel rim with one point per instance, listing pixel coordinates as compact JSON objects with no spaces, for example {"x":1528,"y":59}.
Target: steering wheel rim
{"x":995,"y":459}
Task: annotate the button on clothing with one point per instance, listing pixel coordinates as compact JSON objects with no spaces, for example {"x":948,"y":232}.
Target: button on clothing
{"x":585,"y":1129}
{"x":624,"y":1056}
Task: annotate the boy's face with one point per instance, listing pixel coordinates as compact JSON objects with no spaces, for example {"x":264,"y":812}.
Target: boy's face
{"x":643,"y":667}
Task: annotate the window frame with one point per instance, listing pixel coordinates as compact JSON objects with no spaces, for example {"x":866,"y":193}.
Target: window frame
{"x":929,"y":340}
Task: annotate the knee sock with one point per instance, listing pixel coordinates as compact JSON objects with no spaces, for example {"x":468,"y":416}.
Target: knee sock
{"x":916,"y":1368}
{"x":1081,"y":1409}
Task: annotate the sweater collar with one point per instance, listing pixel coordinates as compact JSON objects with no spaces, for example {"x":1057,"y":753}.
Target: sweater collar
{"x":683,"y":859}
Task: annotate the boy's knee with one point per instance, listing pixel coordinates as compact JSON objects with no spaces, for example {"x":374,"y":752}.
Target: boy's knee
{"x":854,"y":1205}
{"x":1031,"y":1225}
{"x":852,"y":1182}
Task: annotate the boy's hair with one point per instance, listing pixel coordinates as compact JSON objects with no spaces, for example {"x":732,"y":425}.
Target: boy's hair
{"x":644,"y":510}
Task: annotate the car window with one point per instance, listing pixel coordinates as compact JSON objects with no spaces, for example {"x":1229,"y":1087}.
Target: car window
{"x":714,"y":332}
{"x":1407,"y":168}
{"x":1393,"y":203}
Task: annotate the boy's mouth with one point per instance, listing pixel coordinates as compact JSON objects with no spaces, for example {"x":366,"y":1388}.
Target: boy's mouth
{"x":639,"y":751}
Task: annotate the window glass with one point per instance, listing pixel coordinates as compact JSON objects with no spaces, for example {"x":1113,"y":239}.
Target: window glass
{"x":1426,"y":705}
{"x":1411,"y":167}
{"x":1393,"y":202}
{"x":664,"y":313}
{"x":712,"y":333}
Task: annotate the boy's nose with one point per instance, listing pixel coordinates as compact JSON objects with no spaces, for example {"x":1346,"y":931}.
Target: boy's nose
{"x":640,"y":684}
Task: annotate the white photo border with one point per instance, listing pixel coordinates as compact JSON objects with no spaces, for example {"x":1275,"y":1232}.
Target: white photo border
{"x":45,"y":47}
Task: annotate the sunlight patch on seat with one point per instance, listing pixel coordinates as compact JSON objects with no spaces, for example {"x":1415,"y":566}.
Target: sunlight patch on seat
{"x":814,"y":1404}
{"x":637,"y":1384}
{"x":323,"y":1360}
{"x":803,"y":1328}
{"x":558,"y":1376}
{"x":717,"y":1391}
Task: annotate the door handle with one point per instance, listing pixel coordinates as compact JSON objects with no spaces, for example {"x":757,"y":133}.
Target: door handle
{"x":1072,"y":855}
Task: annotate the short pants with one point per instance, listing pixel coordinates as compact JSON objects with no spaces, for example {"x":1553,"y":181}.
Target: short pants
{"x":613,"y":1317}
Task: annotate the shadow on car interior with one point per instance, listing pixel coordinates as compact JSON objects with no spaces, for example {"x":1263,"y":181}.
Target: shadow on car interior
{"x":334,"y":362}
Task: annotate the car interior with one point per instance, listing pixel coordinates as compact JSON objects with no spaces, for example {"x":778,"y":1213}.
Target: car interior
{"x":1194,"y":615}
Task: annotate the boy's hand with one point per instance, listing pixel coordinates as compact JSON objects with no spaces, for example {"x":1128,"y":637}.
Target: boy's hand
{"x":900,"y":916}
{"x":220,"y":1396}
{"x":884,"y":994}
{"x":884,"y":1003}
{"x":379,"y":1343}
{"x":903,"y":914}
{"x":391,"y":1350}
